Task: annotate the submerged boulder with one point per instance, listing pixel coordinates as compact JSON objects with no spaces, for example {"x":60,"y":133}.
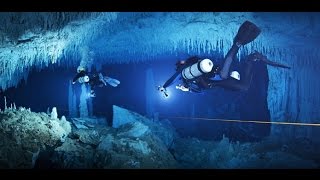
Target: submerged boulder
{"x":24,"y":134}
{"x":112,"y":149}
{"x":36,"y":140}
{"x":134,"y":129}
{"x":139,"y":124}
{"x":122,"y":116}
{"x":88,"y":122}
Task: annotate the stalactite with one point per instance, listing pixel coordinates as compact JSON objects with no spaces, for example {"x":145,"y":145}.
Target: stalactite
{"x":41,"y":47}
{"x":180,"y":33}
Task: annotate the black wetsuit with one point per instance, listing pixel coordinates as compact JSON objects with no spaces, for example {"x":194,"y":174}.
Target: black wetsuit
{"x":79,"y":75}
{"x":232,"y":84}
{"x":205,"y":81}
{"x":247,"y":32}
{"x":194,"y":85}
{"x":179,"y":68}
{"x":94,"y":79}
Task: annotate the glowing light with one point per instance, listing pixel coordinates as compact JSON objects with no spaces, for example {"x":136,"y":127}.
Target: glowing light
{"x":167,"y":96}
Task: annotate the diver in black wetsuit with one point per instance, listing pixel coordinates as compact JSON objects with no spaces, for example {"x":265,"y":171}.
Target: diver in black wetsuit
{"x":94,"y":80}
{"x":199,"y":74}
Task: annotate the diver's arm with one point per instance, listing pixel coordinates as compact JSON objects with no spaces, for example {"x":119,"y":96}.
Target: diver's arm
{"x":171,"y":79}
{"x":168,"y":83}
{"x":233,"y":84}
{"x":189,"y":61}
{"x":224,"y":72}
{"x":82,"y":73}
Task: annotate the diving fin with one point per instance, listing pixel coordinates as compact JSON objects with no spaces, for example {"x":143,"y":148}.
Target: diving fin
{"x":112,"y":82}
{"x":258,"y":56}
{"x":272,"y":63}
{"x":247,"y":33}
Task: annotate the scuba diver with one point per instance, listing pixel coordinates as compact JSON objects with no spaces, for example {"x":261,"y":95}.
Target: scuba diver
{"x":93,"y":79}
{"x":198,"y":74}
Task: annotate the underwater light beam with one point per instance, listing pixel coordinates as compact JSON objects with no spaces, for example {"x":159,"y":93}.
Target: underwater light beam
{"x":251,"y":121}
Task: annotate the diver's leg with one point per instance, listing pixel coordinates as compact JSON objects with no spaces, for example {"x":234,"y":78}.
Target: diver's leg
{"x":224,"y":72}
{"x":101,"y":79}
{"x":245,"y":81}
{"x":247,"y":32}
{"x":243,"y":84}
{"x":231,"y":84}
{"x":81,"y":74}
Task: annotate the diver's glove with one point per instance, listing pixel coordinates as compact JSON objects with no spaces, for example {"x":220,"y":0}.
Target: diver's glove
{"x":91,"y":94}
{"x":182,"y":88}
{"x":163,"y":90}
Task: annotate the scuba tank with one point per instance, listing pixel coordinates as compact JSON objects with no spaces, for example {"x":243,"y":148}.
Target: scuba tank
{"x":84,"y":79}
{"x":197,"y":69}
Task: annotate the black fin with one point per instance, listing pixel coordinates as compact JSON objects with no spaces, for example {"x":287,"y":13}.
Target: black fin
{"x":247,"y":33}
